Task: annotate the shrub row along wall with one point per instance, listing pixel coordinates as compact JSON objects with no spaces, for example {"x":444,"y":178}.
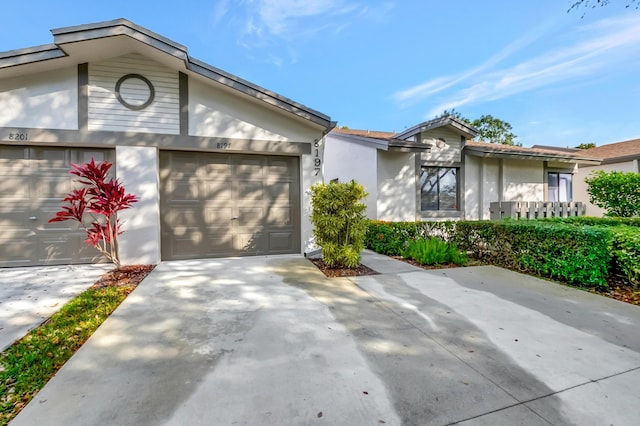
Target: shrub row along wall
{"x":566,"y":250}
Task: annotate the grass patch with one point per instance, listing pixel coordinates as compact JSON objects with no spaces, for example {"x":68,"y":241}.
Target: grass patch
{"x":27,"y":365}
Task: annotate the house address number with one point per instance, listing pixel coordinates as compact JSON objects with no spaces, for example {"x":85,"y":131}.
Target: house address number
{"x":20,"y":136}
{"x":317,"y":161}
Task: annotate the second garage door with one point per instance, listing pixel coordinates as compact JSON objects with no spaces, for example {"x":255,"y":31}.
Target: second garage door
{"x":33,"y":182}
{"x":216,"y":205}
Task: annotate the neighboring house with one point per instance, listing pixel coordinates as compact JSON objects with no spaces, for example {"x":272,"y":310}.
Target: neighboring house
{"x":434,"y":171}
{"x":620,"y":157}
{"x":221,"y":166}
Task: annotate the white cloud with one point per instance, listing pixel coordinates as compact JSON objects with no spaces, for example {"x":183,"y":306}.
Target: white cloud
{"x":607,"y":43}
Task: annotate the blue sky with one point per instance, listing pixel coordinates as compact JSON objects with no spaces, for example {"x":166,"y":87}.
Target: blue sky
{"x":559,"y":78}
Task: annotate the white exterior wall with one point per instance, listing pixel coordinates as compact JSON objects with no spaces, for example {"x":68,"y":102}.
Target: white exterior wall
{"x":43,"y":101}
{"x":214,"y":112}
{"x":523,"y":180}
{"x":471,"y":188}
{"x":107,"y":113}
{"x":396,"y":186}
{"x":137,"y":170}
{"x":345,"y":161}
{"x":580,"y":186}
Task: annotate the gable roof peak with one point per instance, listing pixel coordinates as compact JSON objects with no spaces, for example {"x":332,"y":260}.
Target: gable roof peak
{"x":449,"y":121}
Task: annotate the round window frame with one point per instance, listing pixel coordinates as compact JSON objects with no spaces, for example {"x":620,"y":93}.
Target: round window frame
{"x":152,"y":92}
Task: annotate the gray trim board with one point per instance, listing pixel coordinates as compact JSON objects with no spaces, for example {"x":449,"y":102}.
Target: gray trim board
{"x":183,"y":82}
{"x":29,"y":55}
{"x":83,"y":97}
{"x":480,"y":152}
{"x":103,"y":139}
{"x":454,"y":123}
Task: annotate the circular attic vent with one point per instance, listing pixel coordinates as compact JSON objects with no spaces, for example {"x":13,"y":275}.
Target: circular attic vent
{"x":135,"y":91}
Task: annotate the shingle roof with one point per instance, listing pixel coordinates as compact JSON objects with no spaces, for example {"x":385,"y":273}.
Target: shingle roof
{"x":365,"y":133}
{"x":630,"y":148}
{"x":550,"y":154}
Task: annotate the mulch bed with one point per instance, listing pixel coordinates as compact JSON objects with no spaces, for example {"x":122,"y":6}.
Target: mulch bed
{"x":343,"y":272}
{"x":620,"y":289}
{"x":130,"y":275}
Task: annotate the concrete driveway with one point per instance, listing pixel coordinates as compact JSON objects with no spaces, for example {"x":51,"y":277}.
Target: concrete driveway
{"x":28,"y":296}
{"x":271,"y":341}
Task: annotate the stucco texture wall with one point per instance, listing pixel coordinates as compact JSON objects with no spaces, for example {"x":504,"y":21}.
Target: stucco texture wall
{"x":346,"y":160}
{"x":396,"y":186}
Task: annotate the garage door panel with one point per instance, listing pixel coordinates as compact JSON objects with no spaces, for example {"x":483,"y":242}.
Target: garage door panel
{"x":14,"y":219}
{"x":53,"y":188}
{"x":217,"y":190}
{"x":14,"y":188}
{"x":250,"y":217}
{"x":18,"y":249}
{"x":280,"y":192}
{"x":218,"y":217}
{"x":216,"y":167}
{"x":281,"y":242}
{"x":249,"y":167}
{"x":218,"y":244}
{"x":250,"y":191}
{"x":250,"y":242}
{"x":33,"y":182}
{"x":178,"y":190}
{"x":247,"y":204}
{"x":280,"y":216}
{"x":52,"y":160}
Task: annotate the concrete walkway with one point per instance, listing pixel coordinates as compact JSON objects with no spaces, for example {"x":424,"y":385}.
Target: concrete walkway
{"x":271,"y":341}
{"x":28,"y":296}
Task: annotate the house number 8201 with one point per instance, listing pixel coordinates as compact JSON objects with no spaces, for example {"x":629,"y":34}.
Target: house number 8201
{"x":18,"y":136}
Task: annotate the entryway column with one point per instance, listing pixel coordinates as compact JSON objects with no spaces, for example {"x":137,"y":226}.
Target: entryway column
{"x":137,"y":170}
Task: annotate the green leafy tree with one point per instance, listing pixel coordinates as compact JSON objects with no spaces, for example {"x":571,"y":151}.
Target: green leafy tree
{"x":586,"y":145}
{"x":618,"y":193}
{"x":490,"y":129}
{"x":340,"y":224}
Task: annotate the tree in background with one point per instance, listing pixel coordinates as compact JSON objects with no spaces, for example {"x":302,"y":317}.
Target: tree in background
{"x":340,"y":224}
{"x":586,"y":145}
{"x":101,"y":199}
{"x":592,"y":4}
{"x":490,"y":129}
{"x":618,"y":193}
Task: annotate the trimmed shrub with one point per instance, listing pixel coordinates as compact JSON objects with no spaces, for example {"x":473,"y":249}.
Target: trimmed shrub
{"x":616,"y":192}
{"x":625,"y":249}
{"x":434,"y":251}
{"x":339,"y":222}
{"x":392,"y":238}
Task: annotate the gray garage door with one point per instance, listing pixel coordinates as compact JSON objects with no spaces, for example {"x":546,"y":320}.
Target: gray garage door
{"x":33,"y":182}
{"x":216,"y":205}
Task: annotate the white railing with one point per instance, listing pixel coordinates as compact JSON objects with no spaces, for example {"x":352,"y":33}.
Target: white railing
{"x":535,"y":209}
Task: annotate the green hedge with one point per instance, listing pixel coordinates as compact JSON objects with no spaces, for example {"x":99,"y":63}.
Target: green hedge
{"x":595,"y":221}
{"x":579,"y":255}
{"x":625,"y":250}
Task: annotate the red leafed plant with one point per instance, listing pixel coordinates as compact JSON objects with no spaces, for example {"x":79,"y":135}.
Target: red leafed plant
{"x":100,"y":199}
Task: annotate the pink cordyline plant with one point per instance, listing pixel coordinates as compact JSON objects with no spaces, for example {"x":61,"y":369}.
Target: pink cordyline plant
{"x":100,"y":199}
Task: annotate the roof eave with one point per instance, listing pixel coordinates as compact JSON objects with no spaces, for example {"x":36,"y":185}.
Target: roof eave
{"x":488,"y":153}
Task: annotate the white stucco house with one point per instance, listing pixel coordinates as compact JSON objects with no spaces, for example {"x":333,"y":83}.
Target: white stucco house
{"x":221,"y":165}
{"x":621,"y":157}
{"x":435,"y":171}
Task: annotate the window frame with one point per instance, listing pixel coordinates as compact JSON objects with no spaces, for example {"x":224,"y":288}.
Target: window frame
{"x":558,"y":174}
{"x":457,"y":176}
